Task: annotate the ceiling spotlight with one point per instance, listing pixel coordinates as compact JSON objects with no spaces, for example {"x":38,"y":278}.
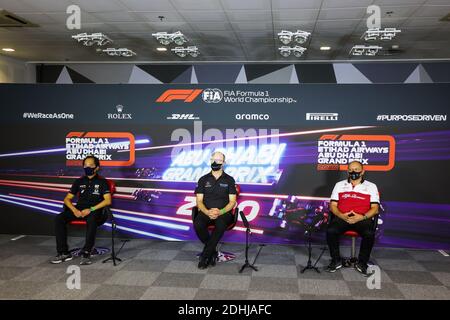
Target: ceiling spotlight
{"x":121,"y":52}
{"x":389,"y":34}
{"x":298,"y":36}
{"x":179,"y":40}
{"x":162,"y":49}
{"x":372,"y":52}
{"x":286,"y":51}
{"x":8,"y":49}
{"x":183,"y":52}
{"x":298,"y":51}
{"x":167,"y":38}
{"x":371,"y":34}
{"x":360,"y":50}
{"x":90,"y":39}
{"x":325,"y":48}
{"x":164,"y":41}
{"x":385,"y":34}
{"x":285,"y":38}
{"x":194,"y":53}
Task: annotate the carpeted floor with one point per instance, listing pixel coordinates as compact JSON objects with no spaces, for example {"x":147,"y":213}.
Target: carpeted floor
{"x":168,"y":270}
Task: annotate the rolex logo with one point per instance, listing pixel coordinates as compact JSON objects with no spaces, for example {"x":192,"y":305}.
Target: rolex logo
{"x":119,"y":115}
{"x":119,"y":108}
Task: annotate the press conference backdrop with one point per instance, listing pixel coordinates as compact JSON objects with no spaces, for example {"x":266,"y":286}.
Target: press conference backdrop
{"x":286,"y":145}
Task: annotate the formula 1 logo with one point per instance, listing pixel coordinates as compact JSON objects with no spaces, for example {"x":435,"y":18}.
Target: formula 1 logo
{"x":186,"y":95}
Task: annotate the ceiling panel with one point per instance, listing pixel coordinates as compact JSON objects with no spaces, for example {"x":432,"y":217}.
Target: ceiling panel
{"x":295,"y":14}
{"x":433,"y":11}
{"x":345,"y":3}
{"x":201,"y":16}
{"x":99,"y":5}
{"x":151,"y":5}
{"x":250,"y":15}
{"x":342,"y":13}
{"x":246,"y":5}
{"x":196,"y":5}
{"x":295,"y":4}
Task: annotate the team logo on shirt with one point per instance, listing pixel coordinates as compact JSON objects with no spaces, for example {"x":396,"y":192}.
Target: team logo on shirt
{"x":353,"y":196}
{"x":208,"y":184}
{"x":96,"y":189}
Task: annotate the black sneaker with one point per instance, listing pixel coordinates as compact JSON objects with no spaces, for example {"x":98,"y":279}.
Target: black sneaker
{"x":86,"y":259}
{"x":203,"y":263}
{"x":334,"y":266}
{"x":361,"y":267}
{"x":214,"y":258}
{"x":60,"y":258}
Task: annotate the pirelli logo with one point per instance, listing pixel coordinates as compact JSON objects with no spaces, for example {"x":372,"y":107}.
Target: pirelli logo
{"x":186,"y":95}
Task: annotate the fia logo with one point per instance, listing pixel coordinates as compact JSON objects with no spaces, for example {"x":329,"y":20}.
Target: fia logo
{"x":212,"y":95}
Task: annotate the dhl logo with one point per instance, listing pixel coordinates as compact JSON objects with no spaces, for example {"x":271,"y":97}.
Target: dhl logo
{"x":187,"y":95}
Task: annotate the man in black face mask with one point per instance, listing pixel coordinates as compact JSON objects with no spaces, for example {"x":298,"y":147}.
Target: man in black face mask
{"x":93,"y":194}
{"x":216,"y":198}
{"x":354,"y":202}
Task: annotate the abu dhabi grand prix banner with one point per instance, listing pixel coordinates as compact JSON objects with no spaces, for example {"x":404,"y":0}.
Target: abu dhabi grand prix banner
{"x":285,"y":145}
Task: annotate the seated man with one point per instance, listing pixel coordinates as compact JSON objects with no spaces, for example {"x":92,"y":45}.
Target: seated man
{"x":216,"y":198}
{"x":354,"y":202}
{"x":93,"y":194}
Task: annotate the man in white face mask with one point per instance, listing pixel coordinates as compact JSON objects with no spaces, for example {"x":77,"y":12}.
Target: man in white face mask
{"x":354,"y":202}
{"x":216,"y":198}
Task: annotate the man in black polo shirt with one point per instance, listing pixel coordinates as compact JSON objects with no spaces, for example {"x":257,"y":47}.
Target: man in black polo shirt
{"x":216,"y":198}
{"x":93,"y":194}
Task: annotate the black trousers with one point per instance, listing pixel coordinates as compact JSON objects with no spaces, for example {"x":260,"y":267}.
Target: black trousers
{"x":61,"y":221}
{"x":210,"y":240}
{"x":365,"y":229}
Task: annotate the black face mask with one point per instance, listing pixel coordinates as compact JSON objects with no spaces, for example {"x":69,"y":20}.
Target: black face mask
{"x":354,"y":175}
{"x":216,"y":166}
{"x":89,"y":171}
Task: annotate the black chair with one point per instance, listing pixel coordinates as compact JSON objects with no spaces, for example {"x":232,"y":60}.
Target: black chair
{"x":222,"y":256}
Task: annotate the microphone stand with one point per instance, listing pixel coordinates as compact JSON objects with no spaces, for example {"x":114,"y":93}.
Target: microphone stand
{"x":247,"y":264}
{"x":114,"y":256}
{"x":309,"y":265}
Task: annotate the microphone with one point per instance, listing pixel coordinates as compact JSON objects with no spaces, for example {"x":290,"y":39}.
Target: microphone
{"x":244,"y":219}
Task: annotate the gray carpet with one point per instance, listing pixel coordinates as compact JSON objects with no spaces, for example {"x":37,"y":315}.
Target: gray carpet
{"x":168,"y":270}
